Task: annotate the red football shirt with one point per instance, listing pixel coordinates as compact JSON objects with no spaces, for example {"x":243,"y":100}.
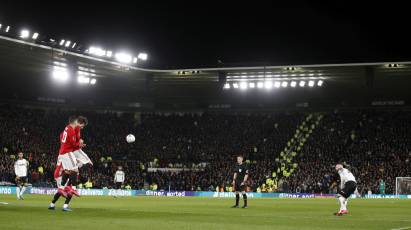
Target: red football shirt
{"x":68,"y":140}
{"x":78,"y":137}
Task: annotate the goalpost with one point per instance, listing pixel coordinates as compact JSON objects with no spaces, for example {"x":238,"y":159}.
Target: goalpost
{"x":403,"y":186}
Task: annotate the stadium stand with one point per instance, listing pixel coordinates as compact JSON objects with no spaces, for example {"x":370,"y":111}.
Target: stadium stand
{"x":195,"y":151}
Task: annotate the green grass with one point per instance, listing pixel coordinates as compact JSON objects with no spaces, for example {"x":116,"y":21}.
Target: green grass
{"x":201,"y":213}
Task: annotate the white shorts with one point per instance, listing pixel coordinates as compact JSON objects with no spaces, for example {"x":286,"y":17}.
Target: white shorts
{"x":68,"y":161}
{"x":82,"y":158}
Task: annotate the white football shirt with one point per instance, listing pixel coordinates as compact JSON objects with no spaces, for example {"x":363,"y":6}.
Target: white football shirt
{"x":345,"y":176}
{"x":119,"y":176}
{"x":21,"y":167}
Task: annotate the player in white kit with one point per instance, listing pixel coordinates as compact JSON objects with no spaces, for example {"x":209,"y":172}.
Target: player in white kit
{"x":21,"y":167}
{"x":119,"y":178}
{"x":348,"y":187}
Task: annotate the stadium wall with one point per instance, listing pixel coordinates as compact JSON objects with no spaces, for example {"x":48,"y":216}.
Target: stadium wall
{"x":114,"y":192}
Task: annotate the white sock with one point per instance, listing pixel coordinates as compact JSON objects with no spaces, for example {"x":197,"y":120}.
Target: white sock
{"x":22,"y":190}
{"x":18,"y":192}
{"x":52,"y":205}
{"x":65,"y":205}
{"x":342,"y":203}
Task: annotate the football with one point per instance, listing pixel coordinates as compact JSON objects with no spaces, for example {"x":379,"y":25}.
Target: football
{"x":130,"y":138}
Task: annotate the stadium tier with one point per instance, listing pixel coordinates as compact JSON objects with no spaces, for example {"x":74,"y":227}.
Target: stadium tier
{"x":285,"y":152}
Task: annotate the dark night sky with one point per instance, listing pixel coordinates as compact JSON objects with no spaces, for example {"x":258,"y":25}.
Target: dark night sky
{"x":183,"y":35}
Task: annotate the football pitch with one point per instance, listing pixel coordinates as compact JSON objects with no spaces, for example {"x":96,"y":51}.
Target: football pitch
{"x":201,"y":213}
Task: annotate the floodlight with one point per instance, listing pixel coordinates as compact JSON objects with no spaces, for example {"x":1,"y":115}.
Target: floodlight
{"x":60,"y":73}
{"x":124,"y":57}
{"x":24,"y":34}
{"x":268,"y":84}
{"x":320,"y":83}
{"x":96,"y":51}
{"x":35,"y":36}
{"x":311,"y":83}
{"x":243,"y":85}
{"x":142,"y":56}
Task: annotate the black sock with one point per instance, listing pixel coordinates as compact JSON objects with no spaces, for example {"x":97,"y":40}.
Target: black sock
{"x":245,"y":199}
{"x":64,"y":179}
{"x":68,"y":199}
{"x":73,"y":179}
{"x":237,"y":199}
{"x":55,"y":198}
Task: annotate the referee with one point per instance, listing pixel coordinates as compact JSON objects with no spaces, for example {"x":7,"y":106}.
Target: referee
{"x":239,"y":180}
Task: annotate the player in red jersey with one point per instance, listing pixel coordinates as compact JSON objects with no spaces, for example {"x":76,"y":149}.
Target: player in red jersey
{"x":68,"y":144}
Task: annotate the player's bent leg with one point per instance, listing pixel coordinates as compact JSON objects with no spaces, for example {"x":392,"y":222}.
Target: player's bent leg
{"x":23,"y":189}
{"x":343,"y":208}
{"x":346,"y":192}
{"x":74,"y":178}
{"x":65,"y":178}
{"x":66,"y":204}
{"x":56,"y":197}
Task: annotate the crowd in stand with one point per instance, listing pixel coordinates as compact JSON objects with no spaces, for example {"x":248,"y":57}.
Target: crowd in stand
{"x":203,"y":147}
{"x":375,"y":145}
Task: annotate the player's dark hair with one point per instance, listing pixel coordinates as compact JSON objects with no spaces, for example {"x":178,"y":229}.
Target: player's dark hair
{"x":82,"y":120}
{"x":72,"y":119}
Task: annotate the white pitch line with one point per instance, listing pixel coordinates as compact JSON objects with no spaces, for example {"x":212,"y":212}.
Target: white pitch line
{"x":403,"y":228}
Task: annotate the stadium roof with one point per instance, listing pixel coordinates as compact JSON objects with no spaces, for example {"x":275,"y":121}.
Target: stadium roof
{"x":200,"y":87}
